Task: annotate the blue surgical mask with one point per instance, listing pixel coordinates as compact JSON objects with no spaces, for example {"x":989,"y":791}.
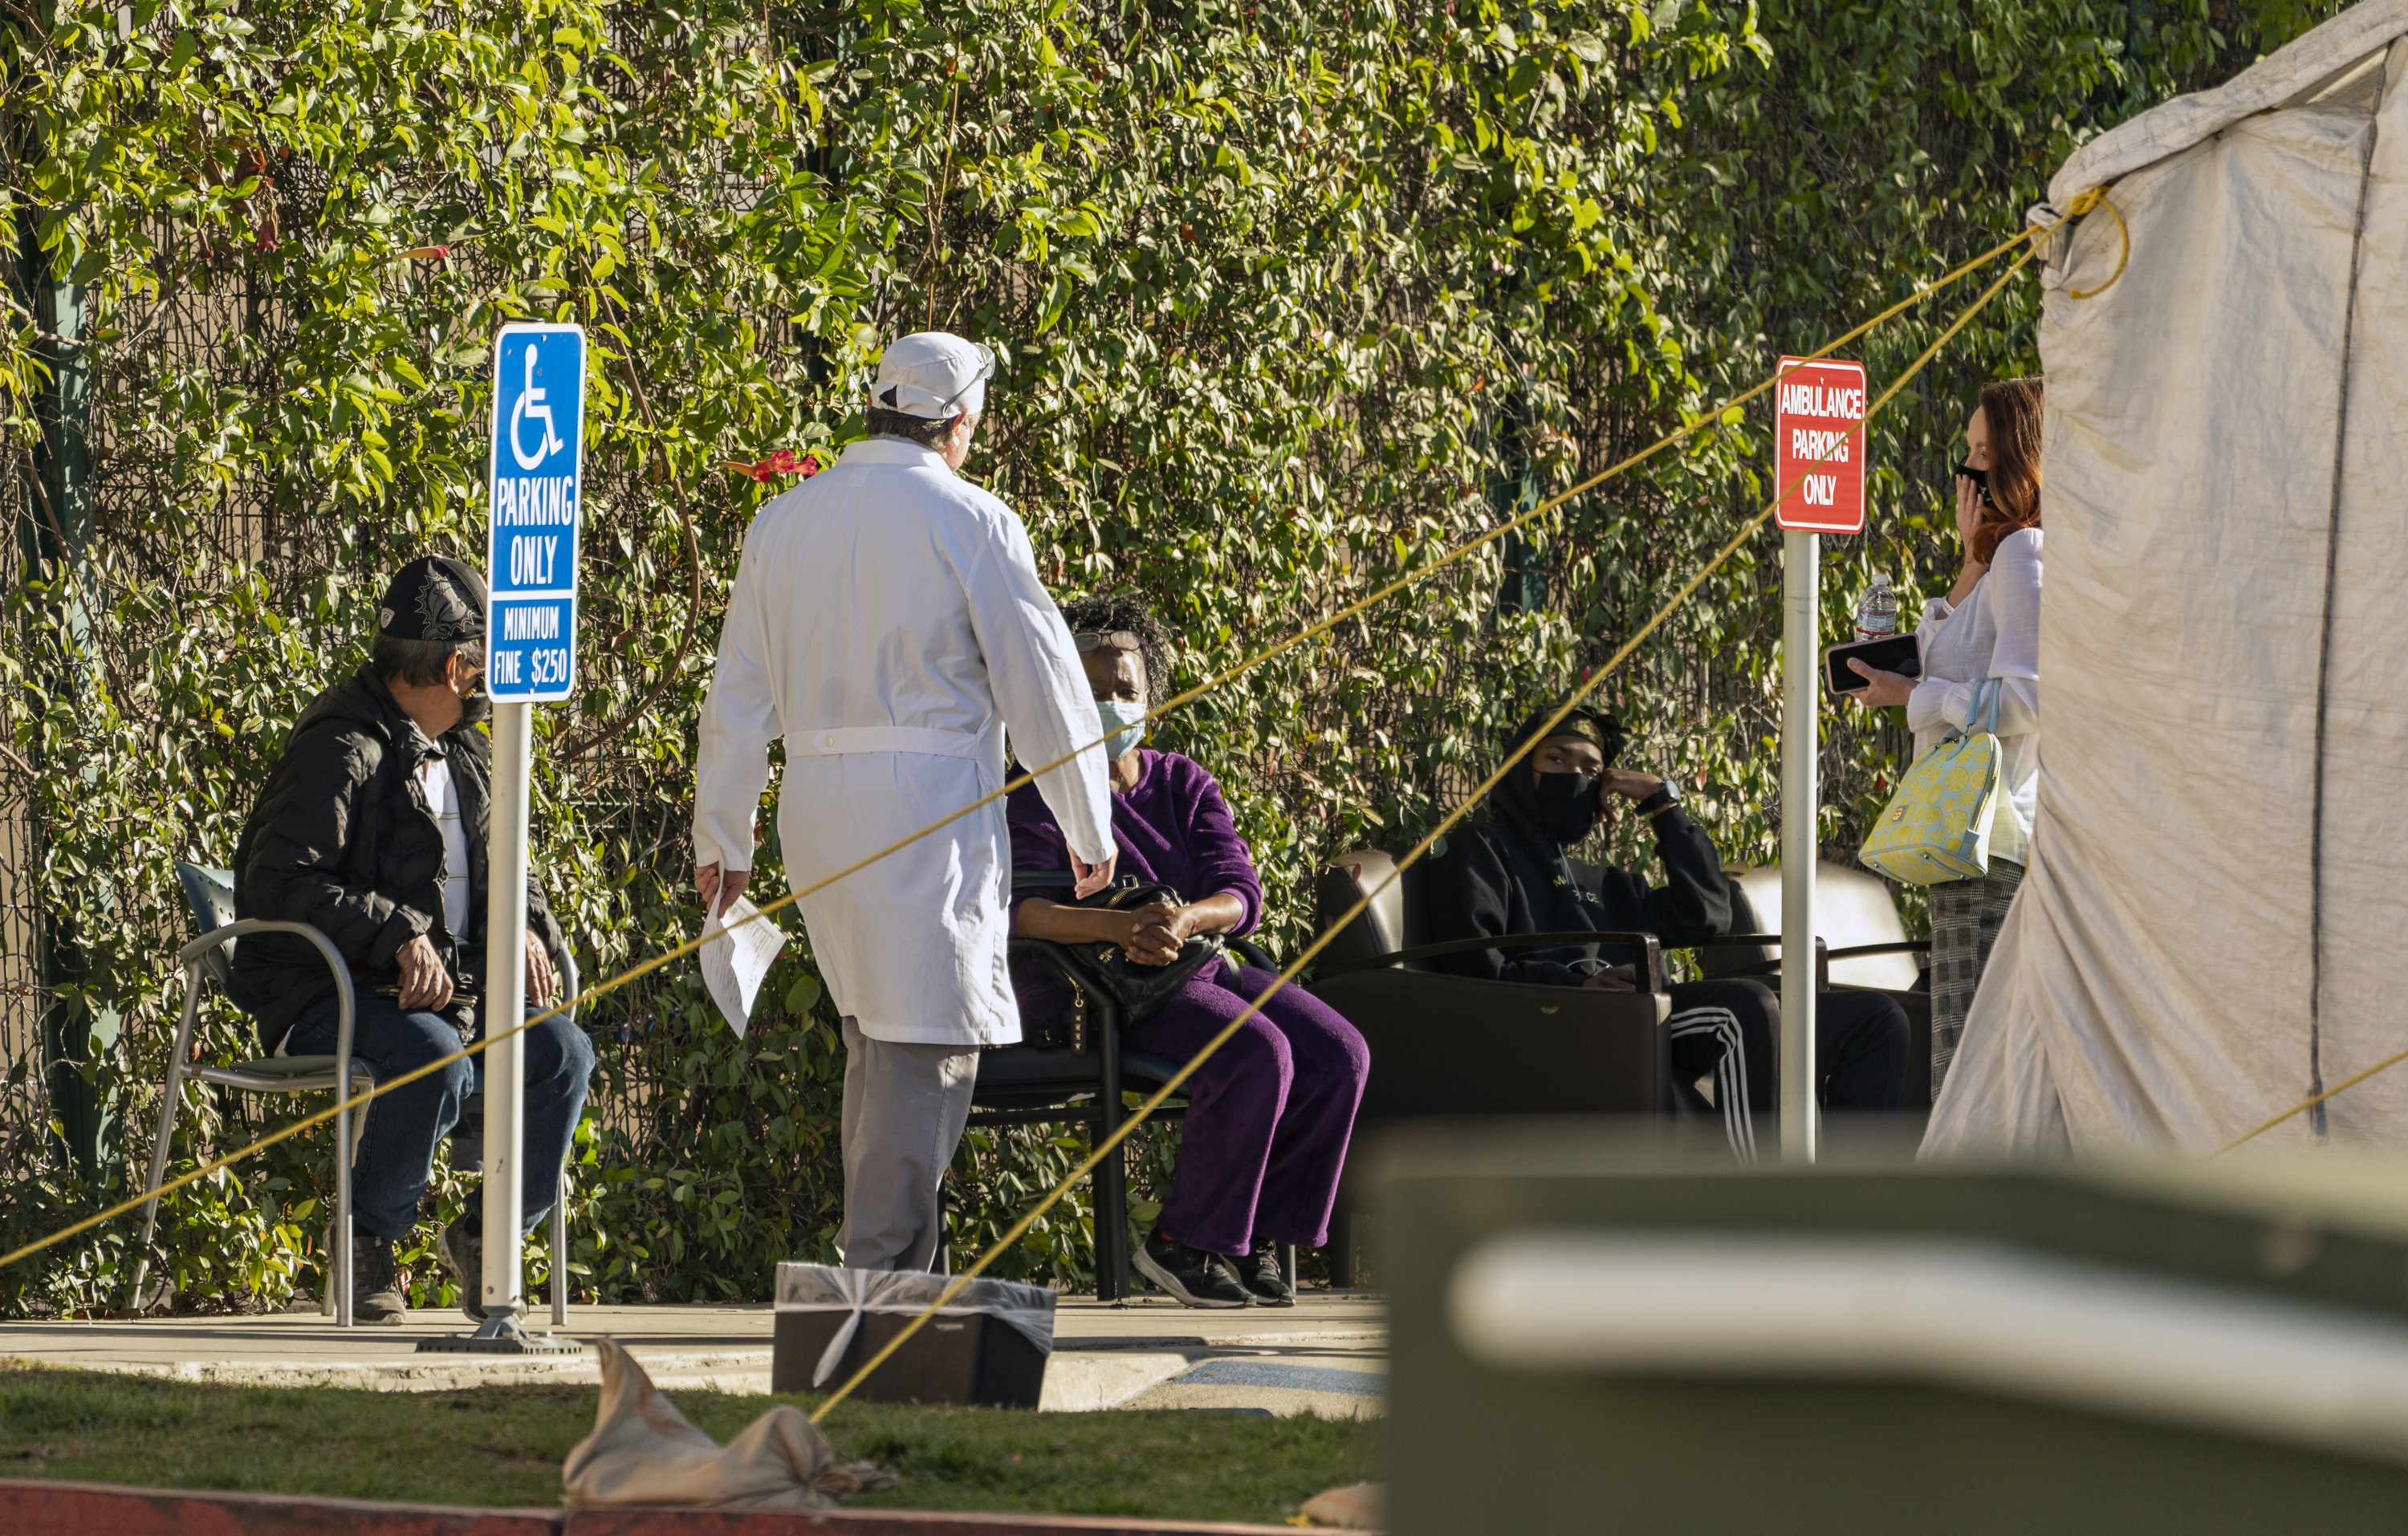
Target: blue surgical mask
{"x":1117,"y":715}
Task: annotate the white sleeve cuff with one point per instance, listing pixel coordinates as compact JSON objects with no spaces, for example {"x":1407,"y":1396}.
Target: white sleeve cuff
{"x":1937,"y":704}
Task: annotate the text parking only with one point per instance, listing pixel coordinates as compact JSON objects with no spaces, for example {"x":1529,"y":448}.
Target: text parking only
{"x":1819,"y":446}
{"x":537,"y":501}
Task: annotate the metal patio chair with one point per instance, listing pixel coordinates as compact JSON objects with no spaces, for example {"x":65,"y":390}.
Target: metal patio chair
{"x":210,"y":893}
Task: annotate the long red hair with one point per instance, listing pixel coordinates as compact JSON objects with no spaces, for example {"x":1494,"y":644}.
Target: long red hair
{"x":2012,"y":409}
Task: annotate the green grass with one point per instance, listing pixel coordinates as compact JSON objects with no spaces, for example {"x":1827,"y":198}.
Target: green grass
{"x":503,"y":1445}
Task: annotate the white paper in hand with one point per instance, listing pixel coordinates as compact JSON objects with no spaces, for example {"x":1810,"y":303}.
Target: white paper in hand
{"x":734,"y":958}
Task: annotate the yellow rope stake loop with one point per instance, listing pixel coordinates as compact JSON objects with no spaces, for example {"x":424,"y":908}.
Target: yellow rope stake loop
{"x":2096,"y":197}
{"x":1111,"y":1144}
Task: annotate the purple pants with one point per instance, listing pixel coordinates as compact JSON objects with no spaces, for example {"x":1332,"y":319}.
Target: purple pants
{"x":1269,"y":1116}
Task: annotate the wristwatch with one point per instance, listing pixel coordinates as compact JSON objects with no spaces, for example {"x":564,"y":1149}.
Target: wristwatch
{"x":1664,"y":799}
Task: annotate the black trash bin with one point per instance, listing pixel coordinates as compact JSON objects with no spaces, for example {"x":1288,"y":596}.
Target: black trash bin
{"x":987,"y":1346}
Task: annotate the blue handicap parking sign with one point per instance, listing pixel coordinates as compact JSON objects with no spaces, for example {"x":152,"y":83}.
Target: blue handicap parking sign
{"x":536,"y":510}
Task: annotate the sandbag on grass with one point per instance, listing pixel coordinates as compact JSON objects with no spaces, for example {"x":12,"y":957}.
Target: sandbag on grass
{"x":642,"y":1451}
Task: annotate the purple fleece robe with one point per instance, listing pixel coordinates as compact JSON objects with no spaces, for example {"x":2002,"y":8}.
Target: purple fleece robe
{"x":1270,"y":1115}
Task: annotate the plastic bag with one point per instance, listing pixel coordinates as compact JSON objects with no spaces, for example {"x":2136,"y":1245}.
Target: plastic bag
{"x":642,"y":1451}
{"x":1358,"y":1506}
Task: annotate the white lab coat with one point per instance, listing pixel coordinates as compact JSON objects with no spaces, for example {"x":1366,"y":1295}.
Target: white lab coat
{"x":888,"y":622}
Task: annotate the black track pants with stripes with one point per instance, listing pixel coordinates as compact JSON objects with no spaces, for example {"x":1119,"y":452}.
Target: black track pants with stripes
{"x":1861,"y":1040}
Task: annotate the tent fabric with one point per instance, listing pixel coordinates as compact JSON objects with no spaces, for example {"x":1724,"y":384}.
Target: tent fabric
{"x":2205,"y":934}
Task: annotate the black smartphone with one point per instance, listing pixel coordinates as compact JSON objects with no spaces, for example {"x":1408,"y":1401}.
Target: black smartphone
{"x":1897,"y":653}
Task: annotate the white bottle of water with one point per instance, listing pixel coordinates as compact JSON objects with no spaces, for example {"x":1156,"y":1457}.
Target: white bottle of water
{"x":1877,"y":611}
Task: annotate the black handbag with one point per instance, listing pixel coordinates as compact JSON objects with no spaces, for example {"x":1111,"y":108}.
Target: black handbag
{"x":1138,"y":990}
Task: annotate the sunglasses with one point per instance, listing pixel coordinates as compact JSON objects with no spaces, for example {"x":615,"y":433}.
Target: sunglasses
{"x":1118,"y":639}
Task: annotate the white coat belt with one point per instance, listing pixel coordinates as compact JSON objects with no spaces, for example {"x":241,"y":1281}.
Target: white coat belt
{"x":924,"y":739}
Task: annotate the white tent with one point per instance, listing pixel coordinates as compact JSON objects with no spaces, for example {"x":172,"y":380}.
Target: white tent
{"x":2210,"y":927}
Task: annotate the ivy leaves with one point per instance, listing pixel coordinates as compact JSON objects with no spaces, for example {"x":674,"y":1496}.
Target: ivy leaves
{"x":1290,"y":294}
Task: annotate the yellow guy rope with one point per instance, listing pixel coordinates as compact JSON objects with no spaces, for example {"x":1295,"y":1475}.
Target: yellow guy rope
{"x":2305,"y":1105}
{"x":604,"y":988}
{"x":1110,"y":1143}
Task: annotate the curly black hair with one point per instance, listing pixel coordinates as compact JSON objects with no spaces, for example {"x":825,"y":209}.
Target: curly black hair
{"x":1104,"y":612}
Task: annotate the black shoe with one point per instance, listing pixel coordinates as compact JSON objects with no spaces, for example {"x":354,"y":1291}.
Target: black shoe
{"x":463,"y":1252}
{"x":1196,"y":1278}
{"x":1259,"y":1273}
{"x":376,"y":1280}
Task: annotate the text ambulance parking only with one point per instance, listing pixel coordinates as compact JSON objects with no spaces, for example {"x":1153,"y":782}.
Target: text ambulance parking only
{"x":1818,"y":446}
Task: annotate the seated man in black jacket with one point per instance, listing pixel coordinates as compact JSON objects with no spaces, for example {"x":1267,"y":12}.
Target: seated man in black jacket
{"x":371,"y":828}
{"x":1515,"y":875}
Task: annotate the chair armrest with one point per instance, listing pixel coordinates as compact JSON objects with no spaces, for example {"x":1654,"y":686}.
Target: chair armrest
{"x":1902,"y":946}
{"x":1649,"y":946}
{"x":1822,"y":956}
{"x":335,"y":963}
{"x":215,"y":936}
{"x":1051,"y":955}
{"x":1254,"y":953}
{"x":569,"y":984}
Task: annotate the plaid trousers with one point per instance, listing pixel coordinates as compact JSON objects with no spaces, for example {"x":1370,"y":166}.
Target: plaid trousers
{"x":1965,"y":919}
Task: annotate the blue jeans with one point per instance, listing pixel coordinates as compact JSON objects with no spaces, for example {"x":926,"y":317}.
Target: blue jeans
{"x":396,"y":1156}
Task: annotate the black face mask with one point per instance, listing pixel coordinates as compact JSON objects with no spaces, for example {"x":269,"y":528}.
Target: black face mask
{"x":1981,"y":479}
{"x":1566,"y":805}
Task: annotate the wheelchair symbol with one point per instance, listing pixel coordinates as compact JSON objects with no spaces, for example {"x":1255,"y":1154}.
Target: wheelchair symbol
{"x":531,"y":405}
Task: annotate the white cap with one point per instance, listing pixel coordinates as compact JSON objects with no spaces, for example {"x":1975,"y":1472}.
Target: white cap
{"x":933,"y":375}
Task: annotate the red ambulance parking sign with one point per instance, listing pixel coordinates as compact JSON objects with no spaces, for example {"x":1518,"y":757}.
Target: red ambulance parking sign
{"x":1819,"y":446}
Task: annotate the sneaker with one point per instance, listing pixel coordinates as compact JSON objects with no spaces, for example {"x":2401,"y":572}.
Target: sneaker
{"x":376,"y":1280}
{"x":1259,"y":1273}
{"x":1196,"y":1278}
{"x":463,"y":1252}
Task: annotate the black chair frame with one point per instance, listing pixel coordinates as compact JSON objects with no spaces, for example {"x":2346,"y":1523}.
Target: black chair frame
{"x":1048,"y":1085}
{"x":1646,"y":944}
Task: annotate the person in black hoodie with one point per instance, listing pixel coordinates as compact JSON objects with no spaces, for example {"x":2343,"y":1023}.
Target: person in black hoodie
{"x":372,"y":829}
{"x":1516,"y":875}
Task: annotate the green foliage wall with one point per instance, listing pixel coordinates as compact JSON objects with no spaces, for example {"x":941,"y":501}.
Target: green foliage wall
{"x":1284,"y":290}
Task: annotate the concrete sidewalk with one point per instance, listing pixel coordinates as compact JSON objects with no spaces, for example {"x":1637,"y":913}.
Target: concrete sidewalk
{"x":1327,"y":1355}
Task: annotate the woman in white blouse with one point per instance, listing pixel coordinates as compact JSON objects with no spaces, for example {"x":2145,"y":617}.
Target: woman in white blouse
{"x":1983,"y":637}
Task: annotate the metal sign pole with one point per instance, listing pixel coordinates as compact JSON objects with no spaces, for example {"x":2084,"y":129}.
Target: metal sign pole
{"x":1818,"y":421}
{"x":535,"y":480}
{"x":505,"y":1002}
{"x":1800,"y":798}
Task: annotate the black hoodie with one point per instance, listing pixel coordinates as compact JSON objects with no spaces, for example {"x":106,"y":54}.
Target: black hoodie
{"x":1513,"y":876}
{"x":342,"y":839}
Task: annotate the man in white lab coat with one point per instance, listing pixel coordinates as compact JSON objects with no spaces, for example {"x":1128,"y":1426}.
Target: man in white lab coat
{"x":889,"y":624}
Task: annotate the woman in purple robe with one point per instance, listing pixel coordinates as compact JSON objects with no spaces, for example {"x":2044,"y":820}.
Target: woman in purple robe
{"x":1269,"y":1114}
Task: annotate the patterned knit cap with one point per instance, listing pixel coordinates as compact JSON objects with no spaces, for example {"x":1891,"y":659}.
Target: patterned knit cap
{"x":434,"y":598}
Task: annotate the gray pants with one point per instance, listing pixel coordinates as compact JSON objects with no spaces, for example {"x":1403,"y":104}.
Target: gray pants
{"x":1966,"y":915}
{"x":903,"y":1109}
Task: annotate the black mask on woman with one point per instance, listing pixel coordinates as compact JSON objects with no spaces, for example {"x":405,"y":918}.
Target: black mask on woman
{"x":1566,"y":805}
{"x":1981,"y":479}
